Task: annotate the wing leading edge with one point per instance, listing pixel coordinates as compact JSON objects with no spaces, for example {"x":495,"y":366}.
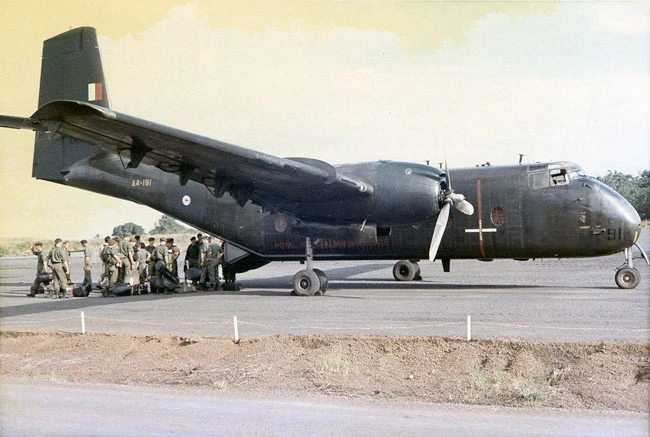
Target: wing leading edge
{"x":272,"y":182}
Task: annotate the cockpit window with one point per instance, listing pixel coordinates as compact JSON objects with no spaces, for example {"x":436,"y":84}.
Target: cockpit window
{"x":559,"y":177}
{"x":554,"y":174}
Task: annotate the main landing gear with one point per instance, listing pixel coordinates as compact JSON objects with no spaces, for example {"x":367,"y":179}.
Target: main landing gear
{"x":309,"y":282}
{"x":407,"y":270}
{"x":627,"y":276}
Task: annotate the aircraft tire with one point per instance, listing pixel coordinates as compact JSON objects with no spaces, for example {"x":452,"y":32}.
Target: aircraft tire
{"x":404,"y":270}
{"x":627,"y":277}
{"x":324,"y":282}
{"x":306,"y":283}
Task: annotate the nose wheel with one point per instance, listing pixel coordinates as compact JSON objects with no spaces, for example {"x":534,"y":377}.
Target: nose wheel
{"x":627,"y":276}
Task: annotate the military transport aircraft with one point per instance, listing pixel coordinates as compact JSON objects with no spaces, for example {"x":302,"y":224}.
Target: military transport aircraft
{"x":268,"y":208}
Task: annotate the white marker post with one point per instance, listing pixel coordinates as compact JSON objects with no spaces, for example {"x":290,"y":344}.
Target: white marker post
{"x":234,"y":320}
{"x":469,"y":328}
{"x":83,"y":324}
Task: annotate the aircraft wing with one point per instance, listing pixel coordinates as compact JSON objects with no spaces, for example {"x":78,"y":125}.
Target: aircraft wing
{"x":272,"y":182}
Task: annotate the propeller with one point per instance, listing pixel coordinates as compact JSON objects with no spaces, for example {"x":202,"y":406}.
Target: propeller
{"x":451,"y":198}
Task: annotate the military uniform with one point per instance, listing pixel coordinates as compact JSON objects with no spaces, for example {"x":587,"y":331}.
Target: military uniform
{"x":89,"y":254}
{"x":160,"y":256}
{"x":41,"y":268}
{"x":111,"y":259}
{"x":192,"y":255}
{"x":125,"y":253}
{"x":141,"y":255}
{"x":58,"y":259}
{"x":204,"y":249}
{"x":213,"y":264}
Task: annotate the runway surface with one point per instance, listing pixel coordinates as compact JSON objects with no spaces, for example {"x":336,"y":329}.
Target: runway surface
{"x":545,"y":300}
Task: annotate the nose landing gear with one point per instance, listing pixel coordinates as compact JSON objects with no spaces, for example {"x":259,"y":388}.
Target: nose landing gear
{"x":627,"y":276}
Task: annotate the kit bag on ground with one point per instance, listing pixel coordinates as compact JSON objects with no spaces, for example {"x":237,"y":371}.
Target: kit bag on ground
{"x":193,"y":274}
{"x":122,"y":290}
{"x":81,"y":291}
{"x":169,"y":286}
{"x":45,"y":278}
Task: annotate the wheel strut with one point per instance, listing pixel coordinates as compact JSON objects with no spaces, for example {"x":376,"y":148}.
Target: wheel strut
{"x":310,"y":281}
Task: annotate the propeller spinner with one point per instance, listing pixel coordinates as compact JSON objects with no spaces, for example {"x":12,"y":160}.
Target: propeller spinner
{"x":450,"y":198}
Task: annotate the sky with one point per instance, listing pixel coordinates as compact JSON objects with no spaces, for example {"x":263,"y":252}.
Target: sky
{"x":462,"y":82}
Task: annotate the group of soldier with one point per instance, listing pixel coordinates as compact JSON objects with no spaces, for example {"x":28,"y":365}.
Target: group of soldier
{"x":130,"y":261}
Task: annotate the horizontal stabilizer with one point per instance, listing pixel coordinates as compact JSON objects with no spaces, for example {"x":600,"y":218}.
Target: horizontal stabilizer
{"x":21,"y":123}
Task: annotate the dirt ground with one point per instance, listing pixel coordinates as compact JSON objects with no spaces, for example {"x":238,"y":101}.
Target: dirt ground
{"x":603,"y":376}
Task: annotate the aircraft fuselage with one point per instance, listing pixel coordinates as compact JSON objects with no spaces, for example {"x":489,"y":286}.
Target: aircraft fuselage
{"x":521,"y":211}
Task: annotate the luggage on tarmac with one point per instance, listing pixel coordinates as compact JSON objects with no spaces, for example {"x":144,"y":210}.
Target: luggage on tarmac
{"x":193,"y":274}
{"x":45,"y":278}
{"x":81,"y":291}
{"x":169,"y":286}
{"x":122,"y":290}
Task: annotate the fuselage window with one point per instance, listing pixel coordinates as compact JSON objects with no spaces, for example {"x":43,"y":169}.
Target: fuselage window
{"x":498,"y":216}
{"x":538,"y":179}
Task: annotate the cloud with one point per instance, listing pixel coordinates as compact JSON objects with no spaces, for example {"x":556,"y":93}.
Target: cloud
{"x":347,"y":95}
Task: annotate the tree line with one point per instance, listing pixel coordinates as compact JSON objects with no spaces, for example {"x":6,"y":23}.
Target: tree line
{"x":636,"y":189}
{"x":165,"y":225}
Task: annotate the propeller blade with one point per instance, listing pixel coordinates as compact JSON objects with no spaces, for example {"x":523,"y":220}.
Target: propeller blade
{"x":461,"y":204}
{"x":438,"y":231}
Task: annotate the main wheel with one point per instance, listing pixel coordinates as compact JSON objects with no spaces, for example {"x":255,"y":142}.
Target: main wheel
{"x":324,"y":282}
{"x":627,"y":277}
{"x":404,"y":270}
{"x":306,"y":283}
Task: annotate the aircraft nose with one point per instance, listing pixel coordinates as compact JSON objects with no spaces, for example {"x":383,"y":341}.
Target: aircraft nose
{"x":624,"y":219}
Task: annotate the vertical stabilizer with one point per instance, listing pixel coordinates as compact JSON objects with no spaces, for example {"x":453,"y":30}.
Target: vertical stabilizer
{"x":71,"y":69}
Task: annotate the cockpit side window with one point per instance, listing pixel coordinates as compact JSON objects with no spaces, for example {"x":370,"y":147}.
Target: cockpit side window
{"x":559,"y":177}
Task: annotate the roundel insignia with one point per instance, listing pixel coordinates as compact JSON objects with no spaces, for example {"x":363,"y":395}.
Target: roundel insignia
{"x":187,"y":200}
{"x":281,"y":223}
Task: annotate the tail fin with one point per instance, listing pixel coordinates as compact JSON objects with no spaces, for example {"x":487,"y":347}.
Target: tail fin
{"x":71,"y":69}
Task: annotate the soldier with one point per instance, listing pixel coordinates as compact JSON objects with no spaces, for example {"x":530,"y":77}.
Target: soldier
{"x":41,"y":269}
{"x":141,"y":257}
{"x":214,"y":257}
{"x":125,"y":253}
{"x":204,"y":248}
{"x":66,"y":247}
{"x":59,"y":262}
{"x":89,"y":260}
{"x":160,"y":257}
{"x":151,"y":247}
{"x":102,"y":250}
{"x":174,"y":254}
{"x":113,"y":261}
{"x":192,"y":254}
